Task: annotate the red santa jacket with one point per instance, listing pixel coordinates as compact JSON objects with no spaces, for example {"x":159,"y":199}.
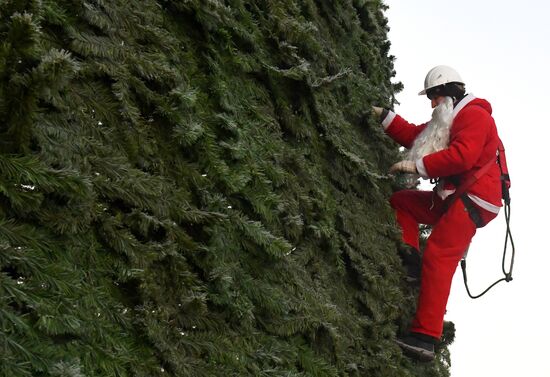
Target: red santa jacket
{"x":473,"y":142}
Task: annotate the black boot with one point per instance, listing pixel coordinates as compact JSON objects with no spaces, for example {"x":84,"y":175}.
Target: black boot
{"x":418,"y":346}
{"x":412,"y":261}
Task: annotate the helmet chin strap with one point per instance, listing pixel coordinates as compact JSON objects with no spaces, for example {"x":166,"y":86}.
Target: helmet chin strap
{"x":459,"y":97}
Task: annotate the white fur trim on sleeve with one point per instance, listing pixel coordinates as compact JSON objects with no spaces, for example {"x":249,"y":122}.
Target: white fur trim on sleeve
{"x":388,"y":119}
{"x":421,"y":168}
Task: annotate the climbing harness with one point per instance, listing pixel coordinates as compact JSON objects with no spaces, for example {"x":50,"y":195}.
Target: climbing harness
{"x":505,"y":183}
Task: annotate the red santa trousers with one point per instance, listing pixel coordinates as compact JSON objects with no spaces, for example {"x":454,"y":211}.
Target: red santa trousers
{"x":452,"y":231}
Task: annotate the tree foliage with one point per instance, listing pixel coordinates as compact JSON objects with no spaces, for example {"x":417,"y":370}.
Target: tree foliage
{"x":196,"y":188}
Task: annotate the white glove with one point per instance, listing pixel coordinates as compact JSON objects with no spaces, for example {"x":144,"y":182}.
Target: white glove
{"x":404,"y":167}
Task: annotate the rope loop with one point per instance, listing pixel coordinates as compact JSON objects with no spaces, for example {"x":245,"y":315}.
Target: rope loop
{"x":507,"y":274}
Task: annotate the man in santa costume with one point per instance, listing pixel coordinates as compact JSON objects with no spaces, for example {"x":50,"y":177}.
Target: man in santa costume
{"x":459,"y":140}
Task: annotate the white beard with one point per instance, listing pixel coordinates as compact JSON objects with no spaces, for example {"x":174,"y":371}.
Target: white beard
{"x":435,"y":136}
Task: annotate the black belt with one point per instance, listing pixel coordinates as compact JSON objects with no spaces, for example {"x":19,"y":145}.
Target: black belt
{"x":473,"y":211}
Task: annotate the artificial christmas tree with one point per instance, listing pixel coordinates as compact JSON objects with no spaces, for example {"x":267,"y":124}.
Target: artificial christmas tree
{"x":195,"y":188}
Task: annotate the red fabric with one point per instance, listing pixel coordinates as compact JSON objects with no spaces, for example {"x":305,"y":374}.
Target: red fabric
{"x":504,"y":164}
{"x":473,"y":142}
{"x":404,"y":132}
{"x":452,"y":232}
{"x":412,"y":208}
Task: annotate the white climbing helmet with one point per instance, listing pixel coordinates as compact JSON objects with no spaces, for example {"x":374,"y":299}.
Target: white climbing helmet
{"x":440,"y":75}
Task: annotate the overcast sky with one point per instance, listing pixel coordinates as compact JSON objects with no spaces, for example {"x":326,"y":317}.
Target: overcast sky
{"x":501,"y":50}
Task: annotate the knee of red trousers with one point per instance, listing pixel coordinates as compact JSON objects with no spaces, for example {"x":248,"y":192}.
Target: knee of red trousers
{"x":407,"y":224}
{"x":398,"y":198}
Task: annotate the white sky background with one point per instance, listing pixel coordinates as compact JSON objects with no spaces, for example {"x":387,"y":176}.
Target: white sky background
{"x":502,"y":51}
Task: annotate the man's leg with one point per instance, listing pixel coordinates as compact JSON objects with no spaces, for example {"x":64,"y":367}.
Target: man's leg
{"x":413,"y":207}
{"x":449,"y":238}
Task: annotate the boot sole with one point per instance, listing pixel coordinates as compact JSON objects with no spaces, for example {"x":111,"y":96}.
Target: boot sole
{"x":418,"y":353}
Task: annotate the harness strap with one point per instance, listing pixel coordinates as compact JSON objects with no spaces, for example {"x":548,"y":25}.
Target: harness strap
{"x":461,"y":190}
{"x":505,"y":178}
{"x":472,"y":211}
{"x":476,"y":218}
